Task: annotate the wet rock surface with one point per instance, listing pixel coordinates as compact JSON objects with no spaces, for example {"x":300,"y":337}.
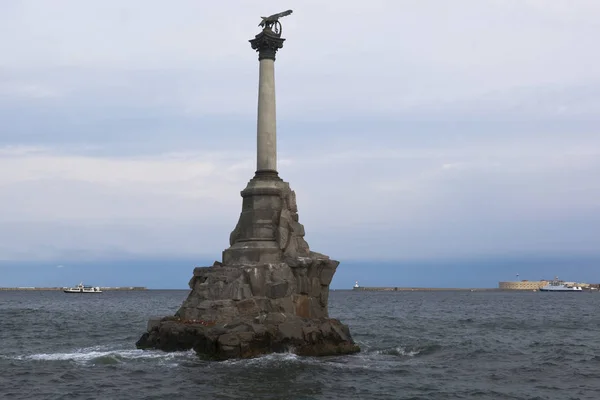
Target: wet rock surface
{"x":243,"y":339}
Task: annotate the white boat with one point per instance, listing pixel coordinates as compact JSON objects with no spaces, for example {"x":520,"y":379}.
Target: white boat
{"x":81,"y":288}
{"x":356,"y":285}
{"x":560,"y":286}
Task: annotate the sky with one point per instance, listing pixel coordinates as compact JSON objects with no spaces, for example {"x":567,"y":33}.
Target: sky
{"x":455,"y":143}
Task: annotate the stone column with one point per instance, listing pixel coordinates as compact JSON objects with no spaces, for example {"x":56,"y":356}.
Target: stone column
{"x":266,"y":43}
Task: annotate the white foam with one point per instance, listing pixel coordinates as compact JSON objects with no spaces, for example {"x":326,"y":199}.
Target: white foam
{"x":403,"y":352}
{"x":400,"y":351}
{"x":267,"y":359}
{"x":89,"y":354}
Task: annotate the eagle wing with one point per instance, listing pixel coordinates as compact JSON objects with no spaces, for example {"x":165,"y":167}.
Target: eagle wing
{"x":279,"y":15}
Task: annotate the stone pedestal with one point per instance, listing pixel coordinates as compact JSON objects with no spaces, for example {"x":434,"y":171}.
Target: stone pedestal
{"x":270,"y":293}
{"x":268,"y":229}
{"x":254,"y":238}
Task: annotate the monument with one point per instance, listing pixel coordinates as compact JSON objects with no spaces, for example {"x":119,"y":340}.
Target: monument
{"x":270,"y":292}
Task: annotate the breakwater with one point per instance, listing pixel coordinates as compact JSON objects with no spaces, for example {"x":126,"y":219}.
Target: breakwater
{"x":62,"y":288}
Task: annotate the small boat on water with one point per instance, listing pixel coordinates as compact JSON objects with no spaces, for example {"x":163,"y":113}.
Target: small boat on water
{"x":560,"y":286}
{"x":81,"y":288}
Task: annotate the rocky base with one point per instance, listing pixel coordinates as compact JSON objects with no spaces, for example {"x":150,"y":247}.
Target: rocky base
{"x":248,"y":310}
{"x":269,"y":333}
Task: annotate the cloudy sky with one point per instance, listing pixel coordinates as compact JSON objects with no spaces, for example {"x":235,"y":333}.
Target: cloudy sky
{"x":414,"y":130}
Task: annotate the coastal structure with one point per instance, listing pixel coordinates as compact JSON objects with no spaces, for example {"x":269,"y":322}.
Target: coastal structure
{"x":538,"y":285}
{"x":522,"y":285}
{"x":270,"y":292}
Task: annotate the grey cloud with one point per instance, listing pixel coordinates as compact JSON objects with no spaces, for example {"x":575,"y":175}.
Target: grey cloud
{"x":471,"y":197}
{"x":418,"y":128}
{"x":386,"y":58}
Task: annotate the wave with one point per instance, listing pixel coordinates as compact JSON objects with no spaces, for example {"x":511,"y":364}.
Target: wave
{"x":398,"y":351}
{"x":103,"y":356}
{"x":273,"y":358}
{"x":410,"y":351}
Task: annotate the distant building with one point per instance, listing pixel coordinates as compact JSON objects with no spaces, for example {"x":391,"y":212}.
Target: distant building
{"x":522,"y":285}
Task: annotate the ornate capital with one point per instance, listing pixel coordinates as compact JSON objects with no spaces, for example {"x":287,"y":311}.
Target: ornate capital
{"x":267,"y":43}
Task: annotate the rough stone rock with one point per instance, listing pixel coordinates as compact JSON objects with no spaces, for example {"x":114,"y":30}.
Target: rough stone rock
{"x":222,"y":293}
{"x":247,"y":311}
{"x":307,"y":337}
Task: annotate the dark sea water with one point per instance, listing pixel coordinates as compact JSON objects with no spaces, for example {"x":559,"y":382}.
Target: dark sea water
{"x":416,"y":345}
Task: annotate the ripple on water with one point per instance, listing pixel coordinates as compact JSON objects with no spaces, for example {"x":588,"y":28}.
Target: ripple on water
{"x":414,"y":345}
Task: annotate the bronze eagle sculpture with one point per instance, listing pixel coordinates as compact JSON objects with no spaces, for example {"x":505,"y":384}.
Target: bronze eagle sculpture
{"x":270,"y":20}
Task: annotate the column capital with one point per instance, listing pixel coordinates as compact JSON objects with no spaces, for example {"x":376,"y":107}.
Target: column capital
{"x":267,"y":43}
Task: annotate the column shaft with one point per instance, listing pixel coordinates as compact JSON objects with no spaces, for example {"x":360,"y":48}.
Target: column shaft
{"x":266,"y":130}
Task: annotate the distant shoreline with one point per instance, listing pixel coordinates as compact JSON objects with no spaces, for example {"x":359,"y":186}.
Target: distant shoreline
{"x":360,"y":289}
{"x":366,"y":289}
{"x":421,"y":289}
{"x":124,"y":288}
{"x":424,"y":289}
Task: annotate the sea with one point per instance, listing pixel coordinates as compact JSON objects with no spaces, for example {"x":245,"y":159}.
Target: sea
{"x":415,"y":345}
